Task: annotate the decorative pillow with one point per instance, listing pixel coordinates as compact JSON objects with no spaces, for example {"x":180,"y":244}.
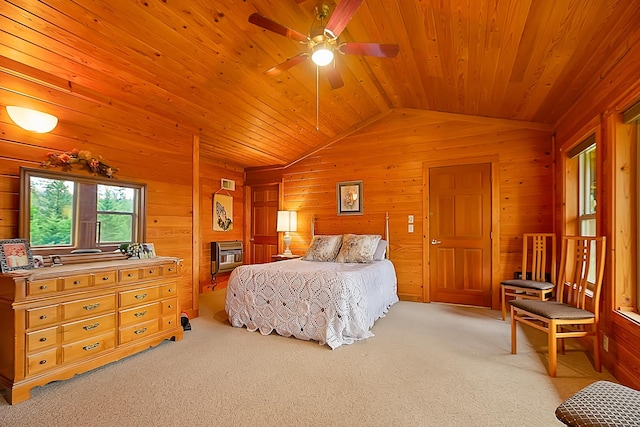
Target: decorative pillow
{"x":380,"y":250}
{"x":358,"y":247}
{"x":324,"y":248}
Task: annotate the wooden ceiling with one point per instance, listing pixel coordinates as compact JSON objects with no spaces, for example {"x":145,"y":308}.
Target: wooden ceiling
{"x":200,"y":63}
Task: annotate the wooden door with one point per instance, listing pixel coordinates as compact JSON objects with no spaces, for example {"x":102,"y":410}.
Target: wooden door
{"x":264,"y":211}
{"x":459,"y":237}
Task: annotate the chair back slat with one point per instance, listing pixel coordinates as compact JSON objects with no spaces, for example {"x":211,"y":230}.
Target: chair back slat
{"x":539,"y":257}
{"x":576,"y":262}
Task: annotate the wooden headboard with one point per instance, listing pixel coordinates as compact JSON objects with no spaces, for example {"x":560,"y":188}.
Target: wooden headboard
{"x":385,"y":235}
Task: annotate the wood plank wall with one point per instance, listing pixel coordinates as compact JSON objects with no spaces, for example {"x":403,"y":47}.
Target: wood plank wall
{"x":145,"y":148}
{"x":211,"y":172}
{"x":389,"y":156}
{"x":599,"y":108}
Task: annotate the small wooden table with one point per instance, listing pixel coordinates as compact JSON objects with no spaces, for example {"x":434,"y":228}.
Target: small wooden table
{"x":282,"y":257}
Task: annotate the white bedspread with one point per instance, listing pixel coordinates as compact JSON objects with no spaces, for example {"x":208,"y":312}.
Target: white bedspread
{"x":332,"y":303}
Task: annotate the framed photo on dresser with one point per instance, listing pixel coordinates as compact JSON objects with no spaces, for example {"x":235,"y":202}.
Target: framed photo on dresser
{"x":15,"y":254}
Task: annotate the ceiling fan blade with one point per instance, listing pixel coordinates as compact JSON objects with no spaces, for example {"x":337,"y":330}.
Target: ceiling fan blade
{"x":268,"y":24}
{"x":341,"y":17}
{"x":370,"y":49}
{"x":283,"y":66}
{"x":335,"y":79}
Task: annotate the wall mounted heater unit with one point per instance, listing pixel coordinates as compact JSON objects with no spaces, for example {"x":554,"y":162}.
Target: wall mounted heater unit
{"x":225,"y":256}
{"x":228,"y":184}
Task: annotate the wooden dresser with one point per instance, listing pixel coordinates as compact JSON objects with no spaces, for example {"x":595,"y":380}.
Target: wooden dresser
{"x":56,"y":322}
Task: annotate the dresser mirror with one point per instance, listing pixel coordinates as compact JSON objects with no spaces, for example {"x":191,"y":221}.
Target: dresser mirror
{"x":62,"y":213}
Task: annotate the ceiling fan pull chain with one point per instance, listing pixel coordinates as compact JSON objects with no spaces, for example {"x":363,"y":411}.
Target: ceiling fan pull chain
{"x":317,"y":99}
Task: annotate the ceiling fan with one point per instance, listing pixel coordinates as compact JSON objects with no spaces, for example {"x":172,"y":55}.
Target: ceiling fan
{"x":322,"y":41}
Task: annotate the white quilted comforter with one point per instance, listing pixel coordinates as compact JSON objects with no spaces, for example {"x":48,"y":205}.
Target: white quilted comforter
{"x":332,"y":303}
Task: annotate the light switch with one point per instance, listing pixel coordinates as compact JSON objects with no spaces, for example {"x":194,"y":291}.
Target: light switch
{"x":410,"y":228}
{"x":411,"y":219}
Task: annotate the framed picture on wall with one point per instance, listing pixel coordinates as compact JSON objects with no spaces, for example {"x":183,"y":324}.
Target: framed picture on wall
{"x":15,"y":254}
{"x":222,"y":212}
{"x":349,"y":198}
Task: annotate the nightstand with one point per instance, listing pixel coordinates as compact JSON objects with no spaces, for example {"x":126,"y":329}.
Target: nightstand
{"x":281,"y":257}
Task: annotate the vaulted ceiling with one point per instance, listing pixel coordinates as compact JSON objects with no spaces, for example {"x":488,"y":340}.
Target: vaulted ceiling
{"x":201,"y":63}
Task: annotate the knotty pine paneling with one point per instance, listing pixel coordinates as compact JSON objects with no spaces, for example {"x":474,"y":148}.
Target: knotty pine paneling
{"x":211,"y":172}
{"x":144,"y":149}
{"x":615,"y":91}
{"x":389,"y":156}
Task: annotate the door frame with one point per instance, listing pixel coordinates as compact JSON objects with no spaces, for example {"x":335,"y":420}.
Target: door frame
{"x":494,"y":160}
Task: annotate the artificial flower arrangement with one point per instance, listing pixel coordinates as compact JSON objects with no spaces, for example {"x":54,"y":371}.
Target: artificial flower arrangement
{"x":84,"y":158}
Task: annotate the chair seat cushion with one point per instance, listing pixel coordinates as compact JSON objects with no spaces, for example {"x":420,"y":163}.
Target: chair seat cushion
{"x":602,"y":403}
{"x":551,"y":309}
{"x":529,"y":284}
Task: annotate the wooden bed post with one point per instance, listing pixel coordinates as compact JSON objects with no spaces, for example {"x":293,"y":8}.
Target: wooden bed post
{"x":386,"y":235}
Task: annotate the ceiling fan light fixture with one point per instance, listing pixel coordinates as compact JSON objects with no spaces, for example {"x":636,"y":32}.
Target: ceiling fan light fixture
{"x":32,"y":120}
{"x":322,"y":55}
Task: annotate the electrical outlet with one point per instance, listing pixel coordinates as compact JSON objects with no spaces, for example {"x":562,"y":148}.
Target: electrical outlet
{"x":605,"y":343}
{"x":410,"y":228}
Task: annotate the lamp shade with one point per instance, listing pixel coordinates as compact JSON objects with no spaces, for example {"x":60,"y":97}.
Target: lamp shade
{"x":32,"y":120}
{"x":287,"y":221}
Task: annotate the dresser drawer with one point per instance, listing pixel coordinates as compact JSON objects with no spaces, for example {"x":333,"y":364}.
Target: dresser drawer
{"x":42,"y":361}
{"x":169,"y":306}
{"x":140,"y":331}
{"x":139,"y":296}
{"x":86,"y":328}
{"x":42,"y":316}
{"x":168,"y":322}
{"x":129,"y":275}
{"x":151,"y":272}
{"x":89,"y":347}
{"x":105,"y":278}
{"x":139,"y":314}
{"x":169,"y":290}
{"x":169,"y":270}
{"x":39,"y":287}
{"x":88,"y":307}
{"x":75,"y":282}
{"x":42,"y":339}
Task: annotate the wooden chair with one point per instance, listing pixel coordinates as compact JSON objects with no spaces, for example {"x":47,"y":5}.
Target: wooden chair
{"x":569,"y":316}
{"x":538,"y":271}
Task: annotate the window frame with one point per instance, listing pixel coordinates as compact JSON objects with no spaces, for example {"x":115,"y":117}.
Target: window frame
{"x":80,"y":239}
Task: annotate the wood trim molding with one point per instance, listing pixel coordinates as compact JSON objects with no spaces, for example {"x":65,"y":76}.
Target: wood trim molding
{"x":196,"y":245}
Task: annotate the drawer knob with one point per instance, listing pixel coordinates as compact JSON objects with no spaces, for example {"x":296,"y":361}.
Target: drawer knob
{"x":91,"y":327}
{"x":140,"y":331}
{"x":170,"y":269}
{"x":140,"y":313}
{"x":91,"y":346}
{"x":130,"y":275}
{"x":140,"y":296}
{"x":42,"y":362}
{"x":105,"y":278}
{"x":170,"y":306}
{"x":170,"y":290}
{"x":151,"y":271}
{"x":170,"y":322}
{"x":91,"y":306}
{"x":76,"y":282}
{"x":43,"y":339}
{"x":43,"y":287}
{"x":43,"y":317}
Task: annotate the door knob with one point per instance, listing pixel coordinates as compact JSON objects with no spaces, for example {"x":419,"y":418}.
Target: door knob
{"x":435,"y":242}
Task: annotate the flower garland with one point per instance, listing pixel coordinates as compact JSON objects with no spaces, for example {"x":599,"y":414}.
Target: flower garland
{"x":84,"y":158}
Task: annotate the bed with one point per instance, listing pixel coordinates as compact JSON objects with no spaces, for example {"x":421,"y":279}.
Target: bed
{"x":324,"y":296}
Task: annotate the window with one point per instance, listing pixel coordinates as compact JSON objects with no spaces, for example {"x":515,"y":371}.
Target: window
{"x":64,"y":212}
{"x":587,"y":200}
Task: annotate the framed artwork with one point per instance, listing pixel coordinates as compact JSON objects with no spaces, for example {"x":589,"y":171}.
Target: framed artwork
{"x":222,"y":212}
{"x":349,"y":198}
{"x":15,"y":254}
{"x":148,"y":251}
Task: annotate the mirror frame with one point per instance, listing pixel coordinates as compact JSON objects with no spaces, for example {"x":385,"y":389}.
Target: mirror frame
{"x":25,"y":202}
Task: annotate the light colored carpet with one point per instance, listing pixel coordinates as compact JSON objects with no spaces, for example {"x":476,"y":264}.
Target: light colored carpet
{"x":428,"y":365}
